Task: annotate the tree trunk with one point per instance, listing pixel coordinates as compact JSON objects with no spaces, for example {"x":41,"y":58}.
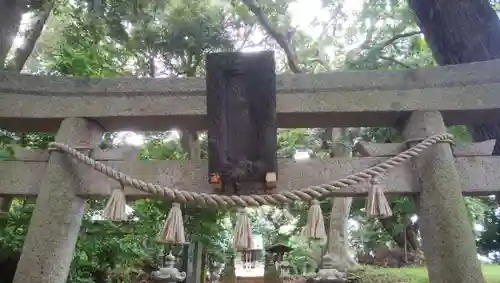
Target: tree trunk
{"x":100,"y":276}
{"x":459,"y":31}
{"x":406,"y":238}
{"x":462,"y":31}
{"x":11,"y":12}
{"x":22,"y":53}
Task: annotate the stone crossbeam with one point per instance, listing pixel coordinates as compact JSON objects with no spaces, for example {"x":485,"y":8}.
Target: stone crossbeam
{"x":22,"y":177}
{"x":464,"y":94}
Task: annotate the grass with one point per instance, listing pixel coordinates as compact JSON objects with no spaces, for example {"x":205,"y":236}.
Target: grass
{"x":415,"y":274}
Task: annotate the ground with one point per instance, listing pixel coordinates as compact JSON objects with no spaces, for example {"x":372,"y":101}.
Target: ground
{"x":416,"y":275}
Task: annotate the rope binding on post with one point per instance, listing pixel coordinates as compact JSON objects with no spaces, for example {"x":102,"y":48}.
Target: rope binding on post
{"x":306,"y":194}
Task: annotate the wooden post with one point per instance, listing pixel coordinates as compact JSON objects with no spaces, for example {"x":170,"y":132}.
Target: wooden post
{"x":241,"y":112}
{"x":55,"y":224}
{"x":196,"y":263}
{"x":447,"y":236}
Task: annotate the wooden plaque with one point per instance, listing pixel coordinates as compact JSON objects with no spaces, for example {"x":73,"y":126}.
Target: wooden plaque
{"x":241,"y":110}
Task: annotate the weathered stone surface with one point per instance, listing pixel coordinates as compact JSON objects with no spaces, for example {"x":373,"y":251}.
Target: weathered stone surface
{"x":484,"y":148}
{"x":56,"y":220}
{"x":338,"y":243}
{"x":119,"y":153}
{"x":364,"y":148}
{"x":479,"y":176}
{"x":447,"y":238}
{"x":464,"y":93}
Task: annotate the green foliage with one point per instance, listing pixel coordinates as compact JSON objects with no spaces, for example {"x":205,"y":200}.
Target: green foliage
{"x":460,"y":133}
{"x":489,"y":240}
{"x":302,"y":258}
{"x":101,"y":248}
{"x":476,"y":209}
{"x":169,"y":150}
{"x":85,"y":50}
{"x":15,"y":225}
{"x":369,"y":235}
{"x":289,"y":140}
{"x":6,"y":151}
{"x":380,"y":135}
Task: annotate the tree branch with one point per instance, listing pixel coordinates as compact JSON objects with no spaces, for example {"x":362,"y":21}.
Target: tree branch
{"x":279,"y":37}
{"x":391,"y":40}
{"x":246,"y":36}
{"x":22,"y":53}
{"x":376,"y":50}
{"x":391,"y":59}
{"x":10,"y":19}
{"x":322,"y":63}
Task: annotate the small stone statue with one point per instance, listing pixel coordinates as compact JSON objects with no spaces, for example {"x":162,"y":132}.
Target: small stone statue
{"x":329,"y":269}
{"x":168,"y":273}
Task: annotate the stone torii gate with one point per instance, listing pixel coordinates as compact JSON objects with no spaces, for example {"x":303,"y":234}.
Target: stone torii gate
{"x":419,"y":102}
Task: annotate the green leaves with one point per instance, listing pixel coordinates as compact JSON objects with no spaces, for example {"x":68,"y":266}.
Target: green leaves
{"x":289,"y":140}
{"x":489,"y":240}
{"x":460,"y":133}
{"x":15,"y":225}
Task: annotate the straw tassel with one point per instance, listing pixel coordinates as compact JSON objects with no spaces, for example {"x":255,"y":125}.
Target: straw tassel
{"x":315,"y":228}
{"x":242,"y":233}
{"x":377,"y":204}
{"x":116,"y":205}
{"x":173,"y":228}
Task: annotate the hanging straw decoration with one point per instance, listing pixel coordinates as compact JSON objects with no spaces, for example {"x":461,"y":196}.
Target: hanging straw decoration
{"x":315,"y":228}
{"x":377,"y":205}
{"x":173,"y":228}
{"x":116,"y":205}
{"x":242,"y":233}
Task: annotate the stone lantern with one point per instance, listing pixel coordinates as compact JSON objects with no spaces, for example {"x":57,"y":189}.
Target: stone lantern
{"x":169,"y":273}
{"x":279,"y":250}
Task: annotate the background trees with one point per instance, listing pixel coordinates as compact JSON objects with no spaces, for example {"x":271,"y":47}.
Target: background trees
{"x":171,"y":37}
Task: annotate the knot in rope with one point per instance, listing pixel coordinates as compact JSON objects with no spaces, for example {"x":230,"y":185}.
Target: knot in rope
{"x":376,"y":179}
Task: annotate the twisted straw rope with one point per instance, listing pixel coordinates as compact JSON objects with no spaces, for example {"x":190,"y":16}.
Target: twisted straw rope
{"x":306,"y":194}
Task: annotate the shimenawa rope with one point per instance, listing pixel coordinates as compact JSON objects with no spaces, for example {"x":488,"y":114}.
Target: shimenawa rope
{"x":306,"y":194}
